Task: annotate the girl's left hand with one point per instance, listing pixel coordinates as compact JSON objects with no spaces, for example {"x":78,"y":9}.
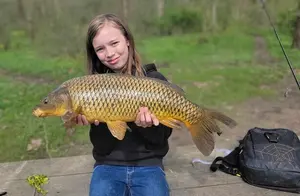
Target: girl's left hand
{"x":145,"y":118}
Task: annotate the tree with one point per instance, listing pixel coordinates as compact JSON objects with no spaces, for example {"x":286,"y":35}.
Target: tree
{"x":160,"y":8}
{"x":296,"y":34}
{"x":125,"y":9}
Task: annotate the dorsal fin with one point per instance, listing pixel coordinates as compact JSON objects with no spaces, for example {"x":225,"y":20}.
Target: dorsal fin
{"x":177,"y":88}
{"x":151,"y":67}
{"x":173,"y":86}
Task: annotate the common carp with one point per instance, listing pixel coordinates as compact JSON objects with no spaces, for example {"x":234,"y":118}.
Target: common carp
{"x":116,"y":98}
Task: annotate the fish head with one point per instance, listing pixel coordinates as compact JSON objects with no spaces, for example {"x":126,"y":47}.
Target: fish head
{"x":56,"y":103}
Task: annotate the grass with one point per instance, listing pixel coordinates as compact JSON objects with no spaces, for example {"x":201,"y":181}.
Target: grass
{"x":18,"y":126}
{"x":30,"y":64}
{"x":199,"y":51}
{"x":222,"y":66}
{"x":214,"y":70}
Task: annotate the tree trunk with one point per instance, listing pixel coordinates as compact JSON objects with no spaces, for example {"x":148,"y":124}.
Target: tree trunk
{"x":238,"y":10}
{"x":30,"y":20}
{"x":21,"y":9}
{"x":125,"y":9}
{"x":42,"y":8}
{"x":57,"y":9}
{"x":160,"y":7}
{"x":214,"y":15}
{"x":296,"y":36}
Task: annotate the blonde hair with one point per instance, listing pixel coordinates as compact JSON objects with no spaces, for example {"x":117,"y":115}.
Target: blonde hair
{"x":94,"y":65}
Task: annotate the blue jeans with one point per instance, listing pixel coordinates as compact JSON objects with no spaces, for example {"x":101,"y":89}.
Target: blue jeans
{"x":108,"y":180}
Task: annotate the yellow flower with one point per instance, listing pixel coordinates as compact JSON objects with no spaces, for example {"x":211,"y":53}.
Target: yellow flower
{"x":37,"y":181}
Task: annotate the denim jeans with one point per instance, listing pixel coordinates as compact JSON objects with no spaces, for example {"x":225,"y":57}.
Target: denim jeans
{"x":108,"y":180}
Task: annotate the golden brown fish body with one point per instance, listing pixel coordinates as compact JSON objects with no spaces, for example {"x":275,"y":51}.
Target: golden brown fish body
{"x":115,"y":99}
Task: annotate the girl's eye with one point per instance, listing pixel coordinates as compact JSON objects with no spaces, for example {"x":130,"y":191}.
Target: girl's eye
{"x":99,"y":49}
{"x":115,"y":43}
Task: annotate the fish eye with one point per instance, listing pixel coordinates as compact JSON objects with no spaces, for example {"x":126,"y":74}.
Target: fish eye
{"x":45,"y":101}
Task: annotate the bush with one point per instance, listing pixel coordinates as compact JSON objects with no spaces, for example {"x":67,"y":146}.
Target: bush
{"x":287,"y":20}
{"x":175,"y":21}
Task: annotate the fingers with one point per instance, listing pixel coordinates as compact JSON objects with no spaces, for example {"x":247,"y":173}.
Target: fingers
{"x":155,"y":120}
{"x":145,"y":118}
{"x":138,"y":119}
{"x":97,"y":122}
{"x":81,"y":120}
{"x":84,"y":120}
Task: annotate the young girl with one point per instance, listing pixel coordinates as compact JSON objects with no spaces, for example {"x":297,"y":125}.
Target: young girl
{"x":134,"y":165}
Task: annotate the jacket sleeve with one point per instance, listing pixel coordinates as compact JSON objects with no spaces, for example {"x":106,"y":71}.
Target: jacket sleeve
{"x":156,"y":135}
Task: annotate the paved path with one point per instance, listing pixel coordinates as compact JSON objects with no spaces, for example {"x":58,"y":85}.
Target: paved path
{"x":70,"y":176}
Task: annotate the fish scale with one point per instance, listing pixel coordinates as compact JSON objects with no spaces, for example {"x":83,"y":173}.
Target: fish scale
{"x":115,"y":99}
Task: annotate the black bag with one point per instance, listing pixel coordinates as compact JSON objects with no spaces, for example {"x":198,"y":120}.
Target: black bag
{"x":267,"y":158}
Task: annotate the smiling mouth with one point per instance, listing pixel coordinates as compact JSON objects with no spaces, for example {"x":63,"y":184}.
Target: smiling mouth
{"x":113,"y":61}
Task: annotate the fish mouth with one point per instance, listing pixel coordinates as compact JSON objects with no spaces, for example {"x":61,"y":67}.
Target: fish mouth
{"x":38,"y":112}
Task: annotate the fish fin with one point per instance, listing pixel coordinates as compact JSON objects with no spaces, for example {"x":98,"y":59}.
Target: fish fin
{"x":177,"y":88}
{"x":70,"y":131}
{"x":78,"y":110}
{"x":117,"y":128}
{"x":202,"y":135}
{"x":171,"y":122}
{"x":202,"y":132}
{"x":222,"y":118}
{"x":69,"y":120}
{"x":172,"y":85}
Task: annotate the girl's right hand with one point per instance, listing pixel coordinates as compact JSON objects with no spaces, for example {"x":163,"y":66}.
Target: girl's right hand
{"x":81,"y":120}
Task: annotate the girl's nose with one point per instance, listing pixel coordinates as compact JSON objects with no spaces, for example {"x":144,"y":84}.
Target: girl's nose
{"x":110,"y":52}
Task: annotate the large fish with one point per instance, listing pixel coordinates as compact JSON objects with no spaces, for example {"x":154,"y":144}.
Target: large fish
{"x":116,"y":98}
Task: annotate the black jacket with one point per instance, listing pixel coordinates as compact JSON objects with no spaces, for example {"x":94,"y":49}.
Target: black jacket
{"x":141,"y":147}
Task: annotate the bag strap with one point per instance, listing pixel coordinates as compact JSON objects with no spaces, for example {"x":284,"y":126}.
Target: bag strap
{"x":229,"y":163}
{"x":3,"y":193}
{"x":149,"y":67}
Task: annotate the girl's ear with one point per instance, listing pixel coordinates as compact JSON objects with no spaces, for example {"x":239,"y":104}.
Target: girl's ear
{"x":127,"y":42}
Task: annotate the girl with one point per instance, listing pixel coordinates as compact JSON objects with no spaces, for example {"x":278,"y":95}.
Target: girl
{"x":134,"y":165}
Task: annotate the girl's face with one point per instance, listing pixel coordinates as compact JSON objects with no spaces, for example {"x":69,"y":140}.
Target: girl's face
{"x":111,"y":47}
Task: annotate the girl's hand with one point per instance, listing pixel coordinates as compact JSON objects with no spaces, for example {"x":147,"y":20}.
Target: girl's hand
{"x":145,"y":118}
{"x":81,"y":120}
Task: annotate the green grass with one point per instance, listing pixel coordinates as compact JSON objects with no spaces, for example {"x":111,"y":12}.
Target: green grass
{"x":223,"y":63}
{"x":30,"y":64}
{"x":276,"y":51}
{"x":214,"y":70}
{"x":227,"y":86}
{"x":199,"y":51}
{"x":18,"y":126}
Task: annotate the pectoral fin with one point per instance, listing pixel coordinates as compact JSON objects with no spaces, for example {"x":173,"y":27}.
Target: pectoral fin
{"x":117,"y":129}
{"x":69,"y":120}
{"x":171,"y":122}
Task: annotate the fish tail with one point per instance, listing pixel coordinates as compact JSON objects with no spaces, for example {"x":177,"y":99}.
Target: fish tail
{"x":203,"y":130}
